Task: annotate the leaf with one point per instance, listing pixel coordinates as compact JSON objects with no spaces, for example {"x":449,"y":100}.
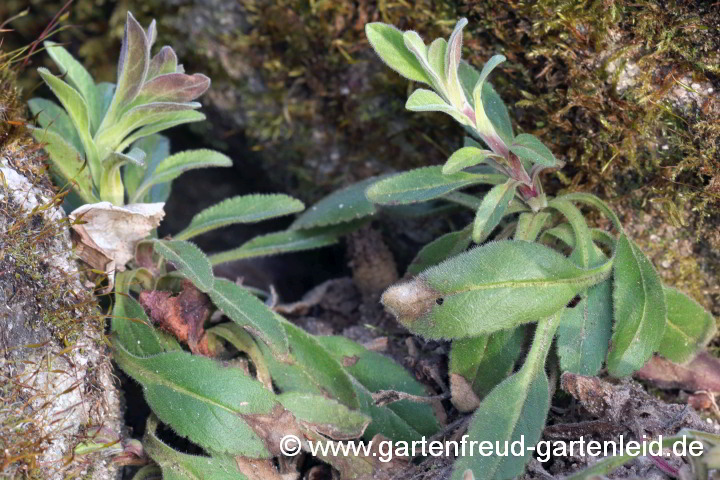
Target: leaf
{"x":240,"y":209}
{"x":165,"y":61}
{"x":132,"y":65}
{"x":528,"y":147}
{"x":492,"y":210}
{"x":466,"y":157}
{"x":164,"y":121}
{"x":513,"y":412}
{"x":491,"y":118}
{"x":76,"y":75}
{"x":594,"y":201}
{"x":344,"y":205}
{"x":478,"y":364}
{"x":189,"y":260}
{"x":246,"y":310}
{"x":77,"y":110}
{"x":324,"y":415}
{"x":584,"y":333}
{"x":131,"y":328}
{"x":156,"y":148}
{"x":173,"y":87}
{"x":310,"y":369}
{"x":480,"y":291}
{"x":497,"y":113}
{"x":689,"y":327}
{"x":175,"y":165}
{"x":440,"y":249}
{"x":423,"y":184}
{"x":200,"y":400}
{"x":176,"y":465}
{"x":453,"y":54}
{"x":67,"y":163}
{"x":364,"y":366}
{"x":423,"y":100}
{"x":285,"y":242}
{"x":530,"y":224}
{"x":112,"y":136}
{"x":104,"y":93}
{"x":50,"y":116}
{"x":388,"y":43}
{"x":242,"y":341}
{"x":436,"y":58}
{"x":640,"y":311}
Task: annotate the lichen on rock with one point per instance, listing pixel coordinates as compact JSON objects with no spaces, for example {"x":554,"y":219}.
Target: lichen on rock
{"x":55,"y":374}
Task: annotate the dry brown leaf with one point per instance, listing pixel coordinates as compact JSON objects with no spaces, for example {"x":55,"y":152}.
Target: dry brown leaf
{"x":702,"y":373}
{"x":183,"y":316}
{"x":107,"y":234}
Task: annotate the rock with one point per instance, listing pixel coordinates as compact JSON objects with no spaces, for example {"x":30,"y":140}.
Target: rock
{"x":55,"y":372}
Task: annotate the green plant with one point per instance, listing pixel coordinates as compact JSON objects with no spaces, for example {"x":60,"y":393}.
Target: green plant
{"x":101,"y":127}
{"x":602,"y":304}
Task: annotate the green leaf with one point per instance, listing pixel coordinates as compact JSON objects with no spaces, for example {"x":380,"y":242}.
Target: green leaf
{"x":131,"y":328}
{"x":240,"y":209}
{"x":175,"y":165}
{"x":132,"y":65}
{"x":528,"y":147}
{"x":77,"y":110}
{"x":317,"y":370}
{"x":76,"y":75}
{"x":163,"y":121}
{"x":492,"y":210}
{"x":481,"y":363}
{"x":453,"y":55}
{"x":156,"y":148}
{"x":514,"y":411}
{"x":640,"y":310}
{"x":584,"y":334}
{"x":285,"y":242}
{"x":689,"y":327}
{"x":246,"y":310}
{"x":466,"y":157}
{"x":344,"y":205}
{"x":440,"y":249}
{"x":67,"y":163}
{"x":243,"y":342}
{"x":388,"y":43}
{"x":200,"y":400}
{"x":49,"y":115}
{"x":594,"y":201}
{"x":481,"y":291}
{"x":530,"y":224}
{"x":104,"y":93}
{"x":436,"y":58}
{"x":325,"y":415}
{"x":423,"y":100}
{"x":173,"y":87}
{"x":364,"y":366}
{"x":497,"y":113}
{"x":176,"y":465}
{"x":491,"y":117}
{"x":189,"y":260}
{"x":423,"y":184}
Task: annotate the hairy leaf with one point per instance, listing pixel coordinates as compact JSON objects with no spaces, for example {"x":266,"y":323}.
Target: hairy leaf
{"x":200,"y":400}
{"x":325,"y":415}
{"x":440,"y":249}
{"x":246,"y":310}
{"x":156,"y":148}
{"x":175,"y":165}
{"x":77,"y":76}
{"x":689,"y":327}
{"x":162,"y":122}
{"x":388,"y":43}
{"x":131,"y":328}
{"x":423,"y":100}
{"x":640,"y":310}
{"x":480,"y":291}
{"x":67,"y":163}
{"x":492,"y":210}
{"x":344,"y":205}
{"x":132,"y":65}
{"x":241,"y":209}
{"x":528,"y":147}
{"x":453,"y":54}
{"x":286,"y":242}
{"x":189,"y":260}
{"x":49,"y":115}
{"x":176,"y":465}
{"x":173,"y":87}
{"x":424,"y":184}
{"x":364,"y":366}
{"x":530,"y":224}
{"x":466,"y":157}
{"x":164,"y":62}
